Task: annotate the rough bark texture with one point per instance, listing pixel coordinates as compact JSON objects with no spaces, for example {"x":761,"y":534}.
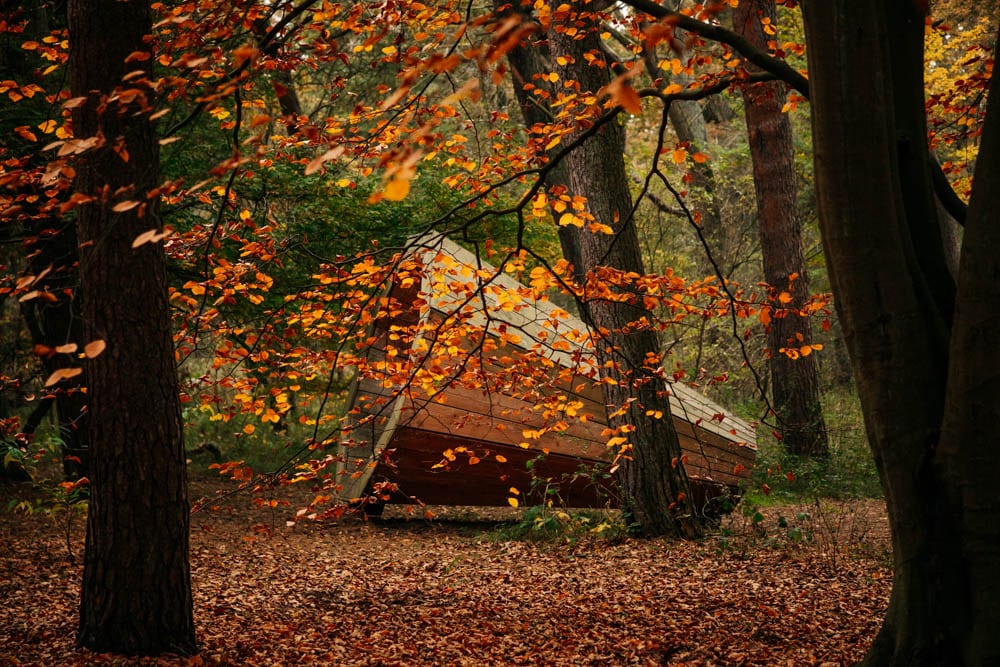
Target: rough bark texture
{"x":136,"y":596}
{"x":655,"y":490}
{"x":794,"y":382}
{"x":653,"y":482}
{"x":930,"y":403}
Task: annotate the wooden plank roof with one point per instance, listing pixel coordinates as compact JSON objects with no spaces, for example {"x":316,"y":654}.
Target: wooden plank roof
{"x":456,"y":279}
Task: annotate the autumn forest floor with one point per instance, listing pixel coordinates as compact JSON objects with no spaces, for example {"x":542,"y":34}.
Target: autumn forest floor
{"x":800,"y":586}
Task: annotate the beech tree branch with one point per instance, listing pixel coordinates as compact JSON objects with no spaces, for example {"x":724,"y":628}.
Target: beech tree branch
{"x":783,"y":71}
{"x":779,"y":68}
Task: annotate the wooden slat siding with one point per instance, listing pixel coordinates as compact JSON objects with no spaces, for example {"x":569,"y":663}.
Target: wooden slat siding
{"x":487,"y":482}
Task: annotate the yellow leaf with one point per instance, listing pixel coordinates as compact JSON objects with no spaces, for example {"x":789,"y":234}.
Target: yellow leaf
{"x":513,"y":502}
{"x":397,"y":188}
{"x":514,"y":491}
{"x":501,"y":458}
{"x":567,"y":219}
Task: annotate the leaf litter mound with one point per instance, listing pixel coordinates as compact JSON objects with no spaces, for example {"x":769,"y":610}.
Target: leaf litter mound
{"x":452,"y":592}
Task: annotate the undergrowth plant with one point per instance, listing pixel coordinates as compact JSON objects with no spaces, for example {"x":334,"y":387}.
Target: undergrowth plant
{"x":549,"y":523}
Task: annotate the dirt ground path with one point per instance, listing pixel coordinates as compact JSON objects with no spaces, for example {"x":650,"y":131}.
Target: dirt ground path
{"x":806,"y":590}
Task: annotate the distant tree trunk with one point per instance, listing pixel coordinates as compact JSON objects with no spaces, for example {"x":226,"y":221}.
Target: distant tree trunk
{"x":653,"y":482}
{"x":794,"y":382}
{"x":51,"y":254}
{"x":53,"y":248}
{"x":136,"y":596}
{"x":688,"y":120}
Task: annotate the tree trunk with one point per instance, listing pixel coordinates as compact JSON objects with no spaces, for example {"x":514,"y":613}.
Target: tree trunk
{"x":930,"y":404}
{"x":794,"y":381}
{"x":136,"y":596}
{"x":53,"y":248}
{"x":969,"y":449}
{"x":50,"y":252}
{"x":652,"y":479}
{"x":688,"y":120}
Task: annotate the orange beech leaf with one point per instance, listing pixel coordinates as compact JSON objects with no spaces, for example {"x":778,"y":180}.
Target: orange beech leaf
{"x":94,"y":348}
{"x":25,"y":133}
{"x":149,"y":236}
{"x":68,"y":348}
{"x":318,"y":162}
{"x":62,"y":374}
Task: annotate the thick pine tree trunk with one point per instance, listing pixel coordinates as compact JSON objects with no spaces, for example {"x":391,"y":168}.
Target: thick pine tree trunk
{"x":794,"y":382}
{"x":930,"y":403}
{"x":136,"y":596}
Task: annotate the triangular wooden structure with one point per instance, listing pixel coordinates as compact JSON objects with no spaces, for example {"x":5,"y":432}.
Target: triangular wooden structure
{"x":440,"y":438}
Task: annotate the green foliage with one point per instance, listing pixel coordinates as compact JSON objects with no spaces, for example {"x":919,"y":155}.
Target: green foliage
{"x":750,"y":528}
{"x":779,"y":477}
{"x":62,"y":502}
{"x":546,"y":523}
{"x":16,"y":463}
{"x":263,"y":450}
